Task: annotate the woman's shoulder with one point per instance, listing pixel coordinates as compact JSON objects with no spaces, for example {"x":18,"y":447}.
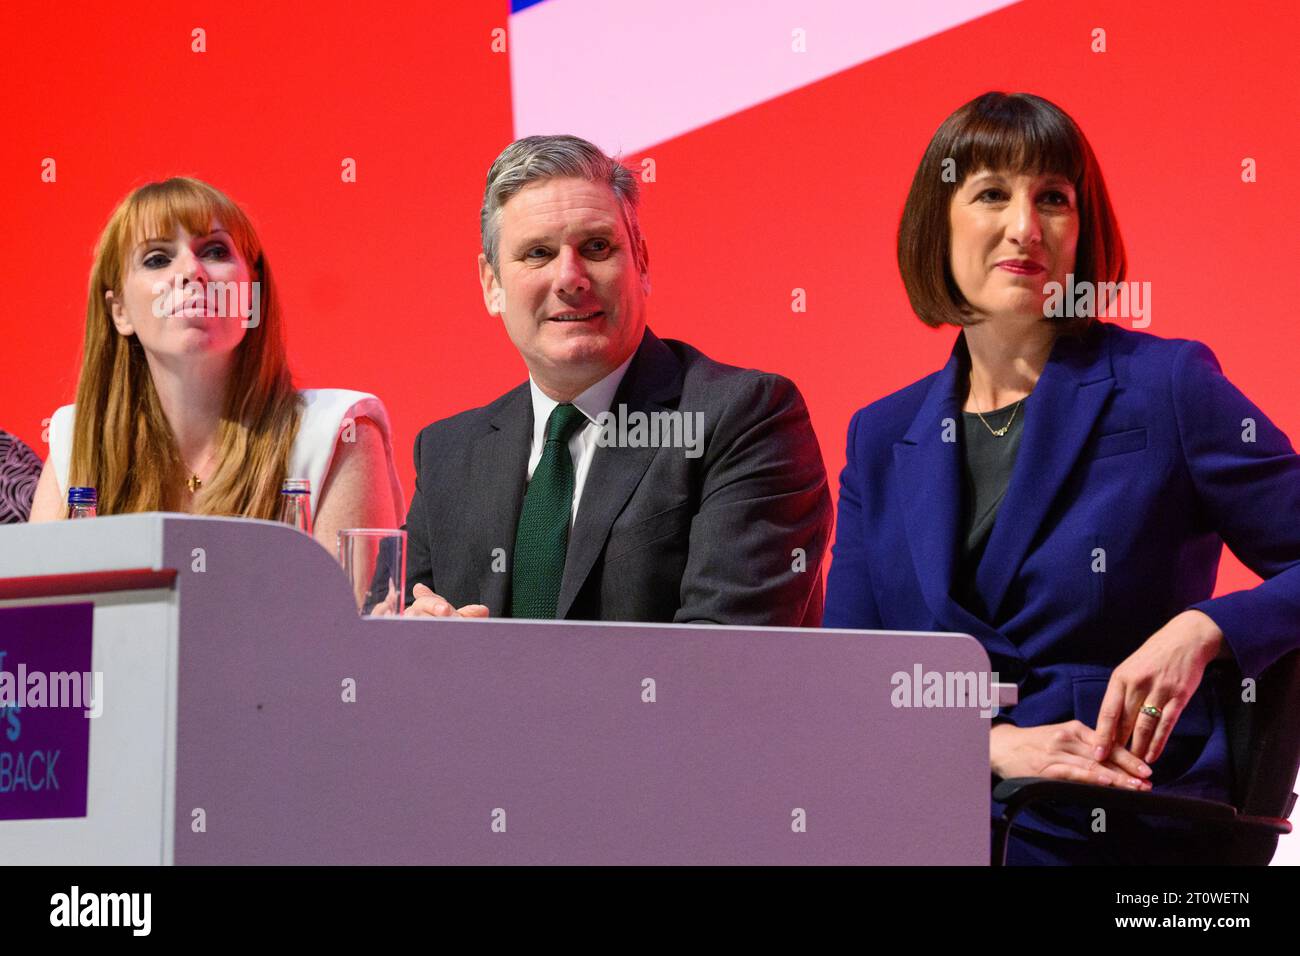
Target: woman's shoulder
{"x":330,"y":416}
{"x":327,"y":402}
{"x":1178,"y":378}
{"x":328,"y":413}
{"x":63,"y":415}
{"x":1141,"y":358}
{"x":892,"y":415}
{"x":60,"y":443}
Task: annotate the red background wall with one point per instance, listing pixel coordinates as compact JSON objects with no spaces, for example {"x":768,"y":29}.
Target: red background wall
{"x":378,"y":277}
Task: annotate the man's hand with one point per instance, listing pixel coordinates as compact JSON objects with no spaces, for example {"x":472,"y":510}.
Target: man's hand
{"x":1061,"y":752}
{"x":1163,"y":673}
{"x":428,"y":604}
{"x":388,"y":606}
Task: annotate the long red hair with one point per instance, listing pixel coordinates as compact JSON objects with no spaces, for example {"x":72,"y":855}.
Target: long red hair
{"x":122,"y":444}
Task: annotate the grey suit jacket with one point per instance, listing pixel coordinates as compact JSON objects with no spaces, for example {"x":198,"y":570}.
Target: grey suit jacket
{"x":733,"y":536}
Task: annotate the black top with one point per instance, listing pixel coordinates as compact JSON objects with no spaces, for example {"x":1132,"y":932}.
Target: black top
{"x":987,"y":461}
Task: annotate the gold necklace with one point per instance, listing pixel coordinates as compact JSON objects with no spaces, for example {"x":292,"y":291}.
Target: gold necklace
{"x":1000,"y":432}
{"x":995,"y":432}
{"x":194,"y":482}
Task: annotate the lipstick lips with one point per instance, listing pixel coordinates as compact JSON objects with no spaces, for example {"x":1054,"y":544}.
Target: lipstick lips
{"x":1022,"y":267}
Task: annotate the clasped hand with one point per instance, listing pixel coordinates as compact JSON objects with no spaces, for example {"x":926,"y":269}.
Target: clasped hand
{"x":1144,"y":699}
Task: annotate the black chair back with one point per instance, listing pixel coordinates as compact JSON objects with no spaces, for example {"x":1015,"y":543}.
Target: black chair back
{"x":1265,"y":741}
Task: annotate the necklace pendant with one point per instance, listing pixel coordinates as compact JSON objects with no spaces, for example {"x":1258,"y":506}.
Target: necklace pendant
{"x":193,"y":483}
{"x":999,"y":432}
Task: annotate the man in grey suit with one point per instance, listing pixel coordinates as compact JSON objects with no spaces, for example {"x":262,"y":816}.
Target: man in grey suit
{"x":631,"y":478}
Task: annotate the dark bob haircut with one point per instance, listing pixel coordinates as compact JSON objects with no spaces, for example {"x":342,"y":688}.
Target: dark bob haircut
{"x":1022,"y":133}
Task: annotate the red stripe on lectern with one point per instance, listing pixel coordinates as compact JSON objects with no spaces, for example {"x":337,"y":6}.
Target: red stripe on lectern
{"x":86,"y":582}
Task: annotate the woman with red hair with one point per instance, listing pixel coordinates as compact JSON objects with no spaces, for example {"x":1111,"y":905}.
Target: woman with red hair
{"x":185,"y":400}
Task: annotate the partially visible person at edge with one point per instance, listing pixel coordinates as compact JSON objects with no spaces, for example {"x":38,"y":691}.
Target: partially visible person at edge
{"x":19,"y":469}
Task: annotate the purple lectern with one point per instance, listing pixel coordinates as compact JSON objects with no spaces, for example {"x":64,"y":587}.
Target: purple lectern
{"x":248,"y":715}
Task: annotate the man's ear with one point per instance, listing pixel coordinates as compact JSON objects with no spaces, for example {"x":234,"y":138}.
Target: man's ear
{"x":645,"y":266}
{"x":494,"y":296}
{"x":118,"y":314}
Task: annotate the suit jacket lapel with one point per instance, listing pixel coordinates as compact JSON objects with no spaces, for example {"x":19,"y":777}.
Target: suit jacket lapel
{"x":930,"y":483}
{"x":929,"y":466}
{"x":1059,"y":417}
{"x":653,"y":378}
{"x":499,"y":475}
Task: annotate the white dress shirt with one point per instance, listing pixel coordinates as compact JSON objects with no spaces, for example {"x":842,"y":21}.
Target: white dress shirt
{"x":582,"y":444}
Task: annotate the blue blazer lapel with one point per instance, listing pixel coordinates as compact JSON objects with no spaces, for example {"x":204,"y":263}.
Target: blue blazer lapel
{"x":1059,"y":416}
{"x":928,"y":460}
{"x":929,"y":470}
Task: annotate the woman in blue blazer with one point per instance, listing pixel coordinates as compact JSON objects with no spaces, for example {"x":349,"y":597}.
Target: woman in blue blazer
{"x":1062,"y":488}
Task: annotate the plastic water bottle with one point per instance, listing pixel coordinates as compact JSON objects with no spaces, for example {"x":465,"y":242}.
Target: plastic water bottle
{"x":82,"y":502}
{"x":295,"y":503}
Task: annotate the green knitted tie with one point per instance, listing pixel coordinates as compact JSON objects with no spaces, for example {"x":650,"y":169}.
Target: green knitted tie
{"x":543,"y":533}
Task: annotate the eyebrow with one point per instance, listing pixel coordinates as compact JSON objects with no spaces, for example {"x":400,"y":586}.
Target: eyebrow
{"x":1055,"y":179}
{"x":167,"y":240}
{"x":603,"y":231}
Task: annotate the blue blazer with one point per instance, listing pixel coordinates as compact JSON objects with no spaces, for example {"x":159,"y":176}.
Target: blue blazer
{"x":1138,"y":457}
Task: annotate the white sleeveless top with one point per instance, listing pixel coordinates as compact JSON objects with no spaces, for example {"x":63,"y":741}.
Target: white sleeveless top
{"x":323,"y":413}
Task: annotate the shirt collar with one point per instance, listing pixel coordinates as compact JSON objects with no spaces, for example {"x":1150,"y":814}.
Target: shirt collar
{"x":595,"y":400}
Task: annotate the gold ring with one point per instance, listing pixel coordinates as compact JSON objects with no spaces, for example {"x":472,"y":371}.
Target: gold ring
{"x":1151,"y":710}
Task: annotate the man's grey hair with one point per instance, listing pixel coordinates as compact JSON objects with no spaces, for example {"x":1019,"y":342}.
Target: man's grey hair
{"x":536,"y":158}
